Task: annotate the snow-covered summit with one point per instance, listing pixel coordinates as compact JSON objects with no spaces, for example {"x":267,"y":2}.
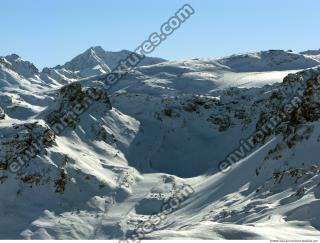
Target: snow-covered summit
{"x":311,"y":52}
{"x":22,"y":67}
{"x":272,"y":60}
{"x":97,"y":61}
{"x":88,"y":63}
{"x":205,"y":75}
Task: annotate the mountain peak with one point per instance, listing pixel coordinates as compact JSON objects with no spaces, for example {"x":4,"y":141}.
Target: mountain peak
{"x":96,"y":61}
{"x":88,"y":63}
{"x":12,"y":56}
{"x":22,"y":67}
{"x":96,"y":49}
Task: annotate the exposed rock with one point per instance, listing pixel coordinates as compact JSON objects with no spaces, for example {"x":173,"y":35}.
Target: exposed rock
{"x":23,"y":142}
{"x":60,"y":184}
{"x":295,"y":103}
{"x":2,"y":114}
{"x":73,"y":101}
{"x":224,"y":122}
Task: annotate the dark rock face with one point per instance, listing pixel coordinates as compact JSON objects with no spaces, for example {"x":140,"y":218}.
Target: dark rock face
{"x":2,"y":114}
{"x":23,"y":142}
{"x":74,"y":99}
{"x":297,"y":104}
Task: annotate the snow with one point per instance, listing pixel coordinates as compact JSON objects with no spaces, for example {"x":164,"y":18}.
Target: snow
{"x":168,"y":124}
{"x":96,"y":61}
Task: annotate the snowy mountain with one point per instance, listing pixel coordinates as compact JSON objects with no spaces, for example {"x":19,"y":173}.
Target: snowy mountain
{"x":272,"y":60}
{"x":78,"y":161}
{"x":17,"y":64}
{"x":311,"y":52}
{"x":315,"y":54}
{"x":94,"y":61}
{"x":202,"y":76}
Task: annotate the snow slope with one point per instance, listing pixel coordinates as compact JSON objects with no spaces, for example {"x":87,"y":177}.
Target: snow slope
{"x":201,"y":76}
{"x":163,"y":126}
{"x":315,"y":54}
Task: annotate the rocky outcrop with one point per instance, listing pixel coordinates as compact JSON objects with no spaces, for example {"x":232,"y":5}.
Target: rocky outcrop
{"x":74,"y":99}
{"x":22,"y":142}
{"x":297,"y":102}
{"x":295,"y":106}
{"x":2,"y":114}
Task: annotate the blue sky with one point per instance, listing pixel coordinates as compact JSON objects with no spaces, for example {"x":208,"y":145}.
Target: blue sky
{"x":52,"y":32}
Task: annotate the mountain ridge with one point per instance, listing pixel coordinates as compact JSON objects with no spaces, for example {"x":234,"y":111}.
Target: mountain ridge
{"x":119,"y":157}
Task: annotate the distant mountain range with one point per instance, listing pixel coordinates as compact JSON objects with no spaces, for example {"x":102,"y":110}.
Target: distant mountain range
{"x":118,"y":159}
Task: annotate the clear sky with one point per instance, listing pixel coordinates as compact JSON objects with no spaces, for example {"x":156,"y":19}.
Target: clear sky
{"x":48,"y":33}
